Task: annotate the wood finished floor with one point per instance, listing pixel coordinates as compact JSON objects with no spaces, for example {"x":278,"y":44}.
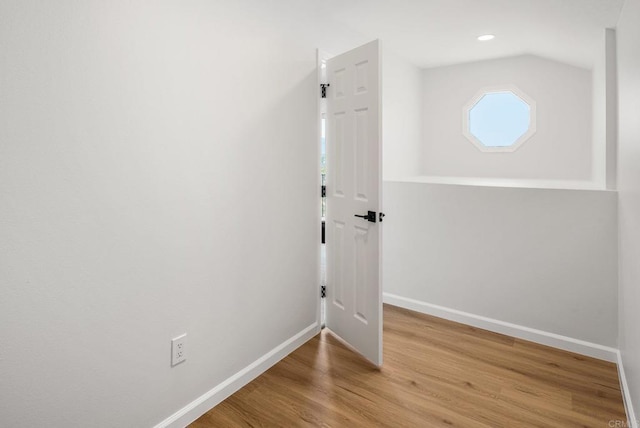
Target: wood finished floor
{"x":436,"y":373}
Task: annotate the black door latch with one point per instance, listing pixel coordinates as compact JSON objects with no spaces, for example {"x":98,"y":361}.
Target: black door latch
{"x":370,"y":216}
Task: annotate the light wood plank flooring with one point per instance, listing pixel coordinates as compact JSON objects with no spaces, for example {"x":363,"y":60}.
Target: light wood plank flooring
{"x":436,"y":373}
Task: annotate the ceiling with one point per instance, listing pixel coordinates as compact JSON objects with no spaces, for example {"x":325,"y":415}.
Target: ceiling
{"x":433,"y":33}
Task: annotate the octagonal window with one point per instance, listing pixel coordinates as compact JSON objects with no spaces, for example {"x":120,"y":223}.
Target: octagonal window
{"x":499,"y":120}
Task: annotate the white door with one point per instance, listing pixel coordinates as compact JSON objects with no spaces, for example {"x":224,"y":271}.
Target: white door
{"x":354,"y":178}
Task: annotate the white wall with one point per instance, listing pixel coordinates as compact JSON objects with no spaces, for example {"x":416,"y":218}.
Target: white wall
{"x":612,"y":109}
{"x":605,"y":119}
{"x":599,"y":119}
{"x":158,"y":175}
{"x":561,"y":148}
{"x":539,"y":258}
{"x":402,"y":116}
{"x":628,"y":38}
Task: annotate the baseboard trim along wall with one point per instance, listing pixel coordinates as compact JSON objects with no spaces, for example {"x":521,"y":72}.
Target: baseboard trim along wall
{"x":626,"y":394}
{"x":521,"y":332}
{"x":213,"y":397}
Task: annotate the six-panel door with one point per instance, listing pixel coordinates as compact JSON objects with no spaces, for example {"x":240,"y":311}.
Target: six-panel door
{"x":354,"y":294}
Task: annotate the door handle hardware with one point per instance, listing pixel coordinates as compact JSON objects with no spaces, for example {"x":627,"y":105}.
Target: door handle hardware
{"x":370,"y":216}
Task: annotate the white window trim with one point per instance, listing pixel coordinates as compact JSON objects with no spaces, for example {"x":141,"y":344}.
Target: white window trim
{"x":499,"y":89}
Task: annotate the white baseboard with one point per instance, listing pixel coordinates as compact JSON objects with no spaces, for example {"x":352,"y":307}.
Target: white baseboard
{"x":626,"y":394}
{"x":210,"y":399}
{"x":526,"y":333}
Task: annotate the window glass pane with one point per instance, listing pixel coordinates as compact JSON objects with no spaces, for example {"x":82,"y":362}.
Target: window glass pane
{"x":499,"y":119}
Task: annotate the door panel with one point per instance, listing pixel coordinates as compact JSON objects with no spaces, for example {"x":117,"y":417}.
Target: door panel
{"x":354,"y":176}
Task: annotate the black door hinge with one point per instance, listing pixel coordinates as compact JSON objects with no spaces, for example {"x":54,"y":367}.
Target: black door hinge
{"x":323,"y":89}
{"x":323,"y":191}
{"x":323,"y":291}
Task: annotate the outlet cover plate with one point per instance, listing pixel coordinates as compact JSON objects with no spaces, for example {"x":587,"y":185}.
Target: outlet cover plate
{"x":178,"y":348}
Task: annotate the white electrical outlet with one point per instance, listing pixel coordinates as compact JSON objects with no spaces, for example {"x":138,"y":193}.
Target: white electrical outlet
{"x":178,"y":354}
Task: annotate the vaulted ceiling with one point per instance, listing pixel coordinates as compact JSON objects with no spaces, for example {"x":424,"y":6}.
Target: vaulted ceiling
{"x":432,"y":33}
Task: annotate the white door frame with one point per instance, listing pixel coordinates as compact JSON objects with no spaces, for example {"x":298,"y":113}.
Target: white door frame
{"x":321,"y":58}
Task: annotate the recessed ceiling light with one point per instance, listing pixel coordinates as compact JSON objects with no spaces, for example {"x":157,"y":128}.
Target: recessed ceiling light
{"x":486,"y":37}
